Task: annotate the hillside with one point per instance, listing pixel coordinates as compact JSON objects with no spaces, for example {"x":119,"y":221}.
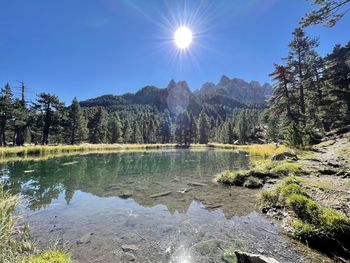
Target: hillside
{"x":218,"y":99}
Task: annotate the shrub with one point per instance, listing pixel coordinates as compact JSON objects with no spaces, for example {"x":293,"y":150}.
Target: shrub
{"x":53,"y":256}
{"x":253,"y":182}
{"x":286,"y":168}
{"x":233,"y":178}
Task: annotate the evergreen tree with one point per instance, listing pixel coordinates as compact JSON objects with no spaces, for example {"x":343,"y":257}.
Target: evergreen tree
{"x":328,"y":12}
{"x":98,"y":127}
{"x":182,"y":132}
{"x":166,"y":127}
{"x":242,"y":127}
{"x":136,"y":134}
{"x":273,"y":129}
{"x":203,"y":125}
{"x":49,"y":106}
{"x":127,"y":133}
{"x":78,"y":126}
{"x":115,"y":129}
{"x":6,"y":111}
{"x":193,"y":133}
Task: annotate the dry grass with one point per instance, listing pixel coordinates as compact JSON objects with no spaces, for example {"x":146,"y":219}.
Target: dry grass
{"x":264,"y":150}
{"x":13,"y":238}
{"x":26,"y":151}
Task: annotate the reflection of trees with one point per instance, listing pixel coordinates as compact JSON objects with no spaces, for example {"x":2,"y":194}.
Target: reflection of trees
{"x":98,"y":173}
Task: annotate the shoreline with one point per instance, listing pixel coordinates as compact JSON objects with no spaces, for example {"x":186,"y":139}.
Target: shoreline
{"x":40,"y":152}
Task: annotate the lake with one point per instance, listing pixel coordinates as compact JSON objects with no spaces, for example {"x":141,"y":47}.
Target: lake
{"x":152,"y":206}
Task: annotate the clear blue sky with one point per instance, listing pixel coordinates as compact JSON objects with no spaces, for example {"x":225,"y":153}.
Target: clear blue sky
{"x":87,"y":48}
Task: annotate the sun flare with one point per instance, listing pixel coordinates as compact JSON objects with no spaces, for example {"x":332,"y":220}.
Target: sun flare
{"x":183,"y":37}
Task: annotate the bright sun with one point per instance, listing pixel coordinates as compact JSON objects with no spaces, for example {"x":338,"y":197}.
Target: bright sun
{"x":183,"y":37}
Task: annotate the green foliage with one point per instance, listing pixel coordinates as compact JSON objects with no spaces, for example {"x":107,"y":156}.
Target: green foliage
{"x":237,"y":177}
{"x":98,"y":127}
{"x":286,"y":168}
{"x":203,"y":128}
{"x":53,"y":256}
{"x":328,"y":12}
{"x":253,"y":182}
{"x":78,"y":126}
{"x":321,"y":227}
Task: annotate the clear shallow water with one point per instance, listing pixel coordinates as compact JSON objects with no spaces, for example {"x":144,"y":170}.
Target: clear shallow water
{"x":95,"y":204}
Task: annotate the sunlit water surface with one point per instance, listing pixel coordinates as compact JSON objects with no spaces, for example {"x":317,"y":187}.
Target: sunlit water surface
{"x":95,"y":205}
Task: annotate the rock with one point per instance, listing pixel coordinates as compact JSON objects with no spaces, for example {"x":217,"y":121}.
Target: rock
{"x":85,"y":239}
{"x":129,"y":257}
{"x":243,"y":257}
{"x":285,"y":156}
{"x":184,"y":190}
{"x":196,"y":184}
{"x":213,"y":206}
{"x":125,"y":195}
{"x":328,"y":171}
{"x":335,"y":165}
{"x":207,"y":247}
{"x":70,"y":163}
{"x":128,"y":248}
{"x":160,"y":194}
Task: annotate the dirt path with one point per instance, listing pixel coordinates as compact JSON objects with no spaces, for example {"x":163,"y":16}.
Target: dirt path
{"x":328,"y":181}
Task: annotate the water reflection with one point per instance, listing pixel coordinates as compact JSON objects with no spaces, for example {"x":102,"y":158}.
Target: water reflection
{"x":138,"y":174}
{"x":75,"y":199}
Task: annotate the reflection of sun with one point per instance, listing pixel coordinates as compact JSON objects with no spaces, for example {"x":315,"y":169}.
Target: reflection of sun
{"x":183,"y":37}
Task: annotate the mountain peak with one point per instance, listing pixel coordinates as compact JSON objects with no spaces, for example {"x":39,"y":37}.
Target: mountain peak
{"x":171,"y":85}
{"x":224,"y":80}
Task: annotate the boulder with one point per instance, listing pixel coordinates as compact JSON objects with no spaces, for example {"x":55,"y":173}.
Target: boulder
{"x":285,"y":156}
{"x":243,"y":257}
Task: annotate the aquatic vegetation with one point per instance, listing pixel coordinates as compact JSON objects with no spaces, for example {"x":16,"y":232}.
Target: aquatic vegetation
{"x":14,"y":238}
{"x":253,"y":182}
{"x":261,"y":171}
{"x":235,"y":177}
{"x":264,"y":150}
{"x":286,"y":168}
{"x":47,"y":150}
{"x":53,"y":256}
{"x":321,"y":227}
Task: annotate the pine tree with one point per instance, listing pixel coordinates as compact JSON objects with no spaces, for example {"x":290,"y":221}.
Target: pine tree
{"x":78,"y":126}
{"x":203,"y":125}
{"x":166,"y":127}
{"x":242,"y":127}
{"x":6,"y":111}
{"x":115,"y":129}
{"x":136,"y":134}
{"x":49,"y":106}
{"x":273,"y":129}
{"x":182,"y":132}
{"x":193,"y":136}
{"x":127,"y":133}
{"x":98,"y":127}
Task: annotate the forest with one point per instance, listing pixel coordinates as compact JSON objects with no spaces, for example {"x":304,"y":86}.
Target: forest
{"x":311,"y":96}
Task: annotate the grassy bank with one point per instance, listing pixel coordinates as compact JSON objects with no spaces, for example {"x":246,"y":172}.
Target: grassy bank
{"x":261,"y":172}
{"x":15,"y":246}
{"x":43,"y":152}
{"x":320,"y":227}
{"x":264,"y":150}
{"x":26,"y":151}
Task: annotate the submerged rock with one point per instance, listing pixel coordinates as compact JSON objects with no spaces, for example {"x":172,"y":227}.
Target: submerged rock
{"x":160,"y":194}
{"x":243,"y":257}
{"x":128,"y":248}
{"x":285,"y":156}
{"x":196,"y":184}
{"x":125,"y":194}
{"x":85,"y":239}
